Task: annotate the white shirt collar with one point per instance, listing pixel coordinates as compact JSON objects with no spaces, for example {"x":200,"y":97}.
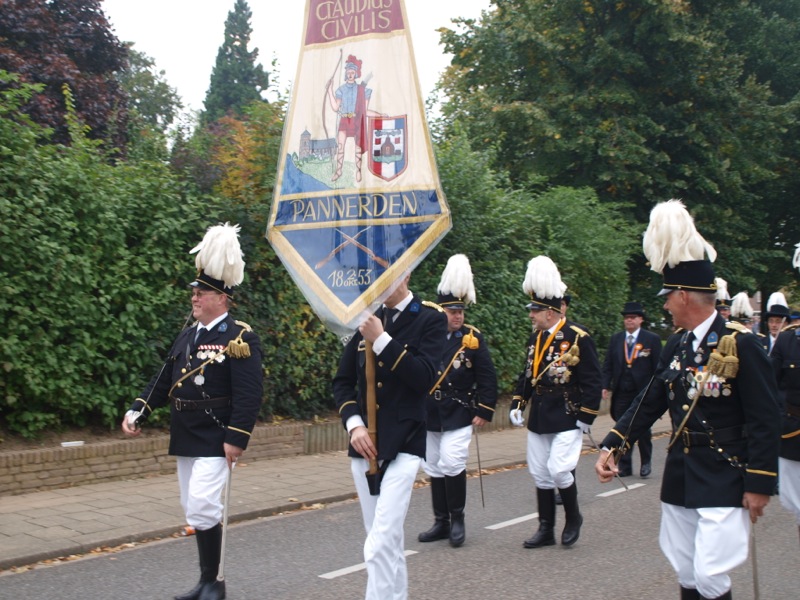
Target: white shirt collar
{"x":701,"y":330}
{"x":212,"y":323}
{"x":401,"y":306}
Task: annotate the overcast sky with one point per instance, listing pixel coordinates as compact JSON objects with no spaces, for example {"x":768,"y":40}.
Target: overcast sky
{"x":183,"y":36}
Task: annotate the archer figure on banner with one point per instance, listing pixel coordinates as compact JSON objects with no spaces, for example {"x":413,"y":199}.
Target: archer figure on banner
{"x":351,"y":103}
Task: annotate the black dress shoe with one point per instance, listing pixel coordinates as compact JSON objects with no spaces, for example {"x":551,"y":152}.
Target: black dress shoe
{"x":645,"y":471}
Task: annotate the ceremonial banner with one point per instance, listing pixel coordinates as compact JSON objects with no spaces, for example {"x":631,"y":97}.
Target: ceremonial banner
{"x":357,"y":200}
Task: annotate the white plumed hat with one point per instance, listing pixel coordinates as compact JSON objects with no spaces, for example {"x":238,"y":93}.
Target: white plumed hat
{"x":543,"y":284}
{"x":219,"y":260}
{"x":675,"y":248}
{"x":456,"y":288}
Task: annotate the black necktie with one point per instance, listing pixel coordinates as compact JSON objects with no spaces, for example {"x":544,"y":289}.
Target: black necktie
{"x":389,"y":315}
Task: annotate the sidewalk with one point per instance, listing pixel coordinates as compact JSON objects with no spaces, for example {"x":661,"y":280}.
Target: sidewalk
{"x":59,"y":523}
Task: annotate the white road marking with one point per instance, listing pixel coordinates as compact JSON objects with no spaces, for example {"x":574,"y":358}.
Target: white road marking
{"x":621,"y":490}
{"x":354,"y":568}
{"x":513,"y":521}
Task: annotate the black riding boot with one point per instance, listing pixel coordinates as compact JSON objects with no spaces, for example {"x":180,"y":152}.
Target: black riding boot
{"x":209,"y":546}
{"x":547,"y":520}
{"x":441,"y":524}
{"x":572,"y":528}
{"x":456,"y":501}
{"x":689,"y":594}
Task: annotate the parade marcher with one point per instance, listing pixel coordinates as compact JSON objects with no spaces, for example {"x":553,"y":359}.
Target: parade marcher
{"x":561,"y":382}
{"x":777,"y":317}
{"x":465,"y":395}
{"x":213,"y":382}
{"x":723,"y":298}
{"x":716,"y":381}
{"x":786,"y":360}
{"x":407,"y":352}
{"x":630,"y":362}
{"x":741,"y":310}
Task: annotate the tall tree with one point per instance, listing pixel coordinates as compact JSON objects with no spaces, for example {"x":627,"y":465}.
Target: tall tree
{"x":153,"y":105}
{"x":640,"y":101}
{"x":236,"y":79}
{"x":58,"y":42}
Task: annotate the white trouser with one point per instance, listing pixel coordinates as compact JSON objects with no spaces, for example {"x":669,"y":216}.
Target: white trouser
{"x":704,"y":544}
{"x":553,"y":456}
{"x":447,"y":452}
{"x":789,"y":485}
{"x":384,"y":515}
{"x":201,"y":481}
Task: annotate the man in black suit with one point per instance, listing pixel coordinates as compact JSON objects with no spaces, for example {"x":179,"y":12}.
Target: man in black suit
{"x":213,"y":382}
{"x":717,"y":383}
{"x":630,"y":362}
{"x":786,"y":360}
{"x":407,"y":353}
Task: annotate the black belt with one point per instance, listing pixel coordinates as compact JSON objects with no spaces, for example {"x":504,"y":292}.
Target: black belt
{"x":183,"y":405}
{"x":456,"y":394}
{"x":793,"y":410}
{"x":559,"y":389}
{"x":718,"y":436}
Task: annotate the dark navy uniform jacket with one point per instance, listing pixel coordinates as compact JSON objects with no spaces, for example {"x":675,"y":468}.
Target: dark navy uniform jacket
{"x":644,"y":360}
{"x":786,"y":359}
{"x":740,"y":411}
{"x":404,"y":373}
{"x":564,"y":393}
{"x":470,"y":386}
{"x":195,"y":433}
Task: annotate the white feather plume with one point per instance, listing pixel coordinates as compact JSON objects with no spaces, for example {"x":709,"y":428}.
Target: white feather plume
{"x":776,"y":298}
{"x":722,"y":289}
{"x":220,"y":256}
{"x":796,"y":259}
{"x":741,"y":307}
{"x":672,"y":238}
{"x":457,"y":279}
{"x":543,"y":279}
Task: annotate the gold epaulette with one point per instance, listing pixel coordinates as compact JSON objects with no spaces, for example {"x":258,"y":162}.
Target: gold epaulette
{"x":737,"y":327}
{"x":472,"y":327}
{"x":430,"y":304}
{"x":238,"y":348}
{"x":578,"y":330}
{"x":791,"y":327}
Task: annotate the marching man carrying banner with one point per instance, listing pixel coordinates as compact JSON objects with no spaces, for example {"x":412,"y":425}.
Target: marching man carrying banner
{"x":351,"y":233}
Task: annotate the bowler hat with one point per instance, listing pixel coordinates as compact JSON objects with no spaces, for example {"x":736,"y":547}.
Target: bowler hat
{"x":633,"y":308}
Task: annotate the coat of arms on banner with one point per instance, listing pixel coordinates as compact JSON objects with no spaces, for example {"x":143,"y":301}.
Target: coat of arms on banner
{"x":357,"y":199}
{"x":387,"y":158}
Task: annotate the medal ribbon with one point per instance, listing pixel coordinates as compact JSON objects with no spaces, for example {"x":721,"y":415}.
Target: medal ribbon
{"x":538,"y":355}
{"x":631,"y":355}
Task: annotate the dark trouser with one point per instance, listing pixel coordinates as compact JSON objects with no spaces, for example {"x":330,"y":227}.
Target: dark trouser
{"x":620,"y":401}
{"x":645,"y":452}
{"x":690,"y":594}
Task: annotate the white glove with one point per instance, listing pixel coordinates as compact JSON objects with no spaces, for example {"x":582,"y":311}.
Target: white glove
{"x":516,"y":418}
{"x":131,"y":417}
{"x":584,"y":427}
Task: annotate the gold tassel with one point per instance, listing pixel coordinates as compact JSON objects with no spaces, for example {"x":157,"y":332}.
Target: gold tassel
{"x":572,"y":356}
{"x":238,"y":348}
{"x":724,"y":361}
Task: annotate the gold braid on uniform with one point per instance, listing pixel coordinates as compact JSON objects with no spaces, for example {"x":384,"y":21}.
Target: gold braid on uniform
{"x":573,"y":356}
{"x":238,"y":348}
{"x":430,"y":304}
{"x":724,"y":359}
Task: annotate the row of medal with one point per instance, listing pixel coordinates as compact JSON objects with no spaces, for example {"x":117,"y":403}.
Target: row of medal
{"x":461,"y":359}
{"x":208,"y":352}
{"x":712,"y":385}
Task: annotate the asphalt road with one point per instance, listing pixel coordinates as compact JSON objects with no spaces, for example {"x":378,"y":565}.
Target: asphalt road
{"x":317,"y":554}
